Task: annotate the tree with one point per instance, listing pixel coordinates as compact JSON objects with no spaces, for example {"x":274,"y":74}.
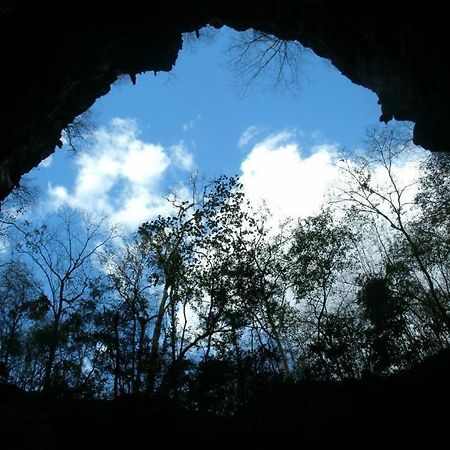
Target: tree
{"x":431,"y":225}
{"x":21,"y":304}
{"x":320,"y":260}
{"x":79,"y":132}
{"x":18,"y":202}
{"x":256,"y":54}
{"x":375,"y":189}
{"x":63,"y":255}
{"x":264,"y":297}
{"x":387,"y":316}
{"x":167,"y":241}
{"x":131,"y":277}
{"x":194,"y":254}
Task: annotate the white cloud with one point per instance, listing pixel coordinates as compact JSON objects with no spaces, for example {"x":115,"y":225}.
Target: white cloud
{"x":294,"y":183}
{"x":122,"y":175}
{"x":59,"y":194}
{"x":248,"y":134}
{"x":182,"y":157}
{"x":291,"y":184}
{"x":138,"y":207}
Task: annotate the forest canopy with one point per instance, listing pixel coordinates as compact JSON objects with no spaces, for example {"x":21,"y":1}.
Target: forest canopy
{"x":208,"y":302}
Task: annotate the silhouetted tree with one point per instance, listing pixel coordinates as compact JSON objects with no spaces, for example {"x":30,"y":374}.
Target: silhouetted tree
{"x":319,"y":254}
{"x":191,"y":252}
{"x":256,"y":54}
{"x":62,"y":254}
{"x":21,"y":303}
{"x":386,"y":315}
{"x":130,"y":272}
{"x":208,"y":303}
{"x":79,"y":132}
{"x":375,"y":190}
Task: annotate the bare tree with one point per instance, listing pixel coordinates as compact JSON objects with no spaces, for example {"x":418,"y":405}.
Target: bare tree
{"x":374,"y":189}
{"x":78,"y":133}
{"x":62,"y":254}
{"x":130,"y":272}
{"x":257,"y":55}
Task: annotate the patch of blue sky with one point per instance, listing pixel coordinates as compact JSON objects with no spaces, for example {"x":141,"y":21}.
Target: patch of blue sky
{"x":197,"y":119}
{"x":201,"y":104}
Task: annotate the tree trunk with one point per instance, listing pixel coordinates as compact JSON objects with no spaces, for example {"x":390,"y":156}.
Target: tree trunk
{"x":140,"y":352}
{"x":51,"y":353}
{"x":278,"y":344}
{"x":9,"y":342}
{"x":154,"y":350}
{"x":173,"y":326}
{"x":133,"y":352}
{"x":117,"y":355}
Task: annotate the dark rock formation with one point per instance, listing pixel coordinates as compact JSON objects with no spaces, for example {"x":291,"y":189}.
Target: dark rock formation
{"x":404,"y":411}
{"x":58,"y":57}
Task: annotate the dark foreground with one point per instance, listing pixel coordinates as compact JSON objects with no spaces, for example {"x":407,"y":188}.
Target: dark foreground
{"x":409,"y":410}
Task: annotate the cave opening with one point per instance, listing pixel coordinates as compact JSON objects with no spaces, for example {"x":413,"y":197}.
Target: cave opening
{"x":325,"y":302}
{"x":206,"y":116}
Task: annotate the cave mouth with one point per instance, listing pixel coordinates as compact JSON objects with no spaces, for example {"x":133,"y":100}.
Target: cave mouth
{"x":286,"y":151}
{"x":396,"y":317}
{"x":55,"y":80}
{"x":206,"y":116}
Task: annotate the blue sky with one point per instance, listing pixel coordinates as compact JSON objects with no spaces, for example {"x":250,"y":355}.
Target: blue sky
{"x":152,"y":135}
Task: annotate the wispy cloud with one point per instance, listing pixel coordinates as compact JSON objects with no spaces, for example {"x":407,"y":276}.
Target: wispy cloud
{"x":181,"y":156}
{"x":250,"y":133}
{"x":122,"y":175}
{"x":190,"y":123}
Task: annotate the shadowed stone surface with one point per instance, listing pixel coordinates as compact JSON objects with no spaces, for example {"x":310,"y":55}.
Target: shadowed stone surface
{"x":404,"y":411}
{"x":57,"y":58}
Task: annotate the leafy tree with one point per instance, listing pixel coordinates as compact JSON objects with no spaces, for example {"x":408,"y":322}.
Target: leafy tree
{"x":431,"y":224}
{"x":62,"y":254}
{"x":264,"y":296}
{"x":386,"y":314}
{"x":206,"y":303}
{"x":132,"y":278}
{"x":194,"y":254}
{"x":21,"y":304}
{"x":320,"y":257}
{"x":375,"y":190}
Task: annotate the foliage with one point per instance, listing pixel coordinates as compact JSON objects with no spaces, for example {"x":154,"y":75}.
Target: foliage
{"x":207,"y":303}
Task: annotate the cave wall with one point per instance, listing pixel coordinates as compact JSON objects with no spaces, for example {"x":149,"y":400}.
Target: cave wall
{"x":57,"y":58}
